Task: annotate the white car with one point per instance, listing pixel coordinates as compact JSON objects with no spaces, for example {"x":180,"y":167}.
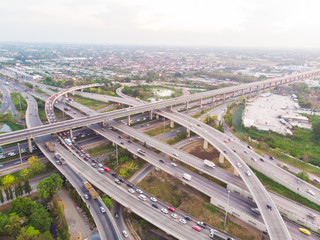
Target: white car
{"x":100,"y":165}
{"x":130,"y":190}
{"x":239,"y":165}
{"x":173,"y":215}
{"x":139,"y":191}
{"x":125,"y":234}
{"x":245,"y":151}
{"x":153,"y":199}
{"x":173,"y":164}
{"x":165,"y":211}
{"x":183,"y":221}
{"x":248,"y":173}
{"x":102,"y":209}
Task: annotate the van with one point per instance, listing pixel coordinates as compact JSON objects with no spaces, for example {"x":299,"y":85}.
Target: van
{"x":142,"y":197}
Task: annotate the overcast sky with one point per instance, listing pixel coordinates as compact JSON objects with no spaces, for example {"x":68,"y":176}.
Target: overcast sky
{"x":236,"y":23}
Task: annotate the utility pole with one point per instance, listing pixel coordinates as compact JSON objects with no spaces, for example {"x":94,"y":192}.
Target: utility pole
{"x":19,"y":153}
{"x":117,"y":155}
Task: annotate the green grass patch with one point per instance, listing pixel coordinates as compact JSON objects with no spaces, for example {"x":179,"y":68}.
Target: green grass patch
{"x":13,"y":126}
{"x":19,"y":103}
{"x":98,"y":151}
{"x":94,"y":104}
{"x":279,"y":189}
{"x":41,"y":111}
{"x":160,"y":130}
{"x":237,"y":117}
{"x":53,"y":90}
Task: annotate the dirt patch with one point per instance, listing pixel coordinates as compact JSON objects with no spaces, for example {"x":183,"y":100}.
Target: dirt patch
{"x":212,"y":154}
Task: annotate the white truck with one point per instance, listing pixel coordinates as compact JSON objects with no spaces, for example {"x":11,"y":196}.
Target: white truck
{"x":186,"y":176}
{"x":209,"y":163}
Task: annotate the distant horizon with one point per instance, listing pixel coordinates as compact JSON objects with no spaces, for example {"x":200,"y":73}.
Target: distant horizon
{"x":155,"y":45}
{"x":274,"y":24}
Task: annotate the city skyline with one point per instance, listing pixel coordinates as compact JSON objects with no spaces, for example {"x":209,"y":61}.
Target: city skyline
{"x":244,"y":23}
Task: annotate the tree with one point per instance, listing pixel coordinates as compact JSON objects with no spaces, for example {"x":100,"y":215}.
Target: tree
{"x":40,"y":219}
{"x":108,"y":202}
{"x":14,"y":224}
{"x":10,"y":193}
{"x":27,"y":187}
{"x":20,"y":188}
{"x":28,"y":233}
{"x":304,"y":176}
{"x":48,"y":187}
{"x":1,"y":196}
{"x":16,"y":191}
{"x":6,"y":191}
{"x":3,"y":221}
{"x":316,"y":130}
{"x":24,"y":173}
{"x":35,"y":165}
{"x":123,"y":173}
{"x":24,"y":206}
{"x":8,"y":180}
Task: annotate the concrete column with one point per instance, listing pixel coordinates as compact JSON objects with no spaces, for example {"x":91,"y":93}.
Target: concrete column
{"x":66,"y":95}
{"x":235,"y":172}
{"x":103,"y":124}
{"x":30,"y":145}
{"x":171,"y":123}
{"x":128,"y":120}
{"x":221,"y":158}
{"x":72,"y":93}
{"x":81,"y":89}
{"x":224,"y":96}
{"x":70,"y":132}
{"x":157,"y":116}
{"x":201,"y":102}
{"x":150,"y":114}
{"x":213,"y":99}
{"x":187,"y":105}
{"x":113,"y":144}
{"x":233,"y":93}
{"x":171,"y":108}
{"x":205,"y":144}
{"x":188,"y":132}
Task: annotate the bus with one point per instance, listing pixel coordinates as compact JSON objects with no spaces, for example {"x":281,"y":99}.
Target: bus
{"x":68,"y":142}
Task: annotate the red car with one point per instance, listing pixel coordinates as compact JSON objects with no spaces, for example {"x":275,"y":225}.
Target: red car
{"x":225,"y":141}
{"x":172,"y":111}
{"x":171,"y":209}
{"x":120,"y":137}
{"x":196,"y":228}
{"x":106,"y":169}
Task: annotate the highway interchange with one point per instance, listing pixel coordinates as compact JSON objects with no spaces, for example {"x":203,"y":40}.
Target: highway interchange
{"x":206,"y":133}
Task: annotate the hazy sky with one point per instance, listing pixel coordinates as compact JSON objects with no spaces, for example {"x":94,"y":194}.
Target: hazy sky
{"x":244,"y":23}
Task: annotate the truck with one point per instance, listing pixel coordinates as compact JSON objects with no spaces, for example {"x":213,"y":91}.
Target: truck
{"x":50,"y":147}
{"x":209,"y":163}
{"x":68,"y":142}
{"x":87,"y":185}
{"x":186,"y":176}
{"x":93,"y":193}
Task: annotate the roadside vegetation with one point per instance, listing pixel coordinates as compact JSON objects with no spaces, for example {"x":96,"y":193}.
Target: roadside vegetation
{"x":279,"y":189}
{"x":10,"y":121}
{"x":159,"y":130}
{"x":100,"y":150}
{"x":19,"y":103}
{"x":38,"y":218}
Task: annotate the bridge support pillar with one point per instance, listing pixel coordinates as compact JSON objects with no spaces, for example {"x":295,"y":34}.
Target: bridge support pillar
{"x":66,"y":95}
{"x":171,"y":108}
{"x":171,"y":123}
{"x":221,"y":158}
{"x":73,"y":93}
{"x":128,"y":120}
{"x":157,"y":116}
{"x":81,"y":90}
{"x":224,"y":96}
{"x":187,"y":105}
{"x":70,"y":132}
{"x":103,"y":124}
{"x":235,"y":172}
{"x":213,"y":99}
{"x":201,"y":102}
{"x":30,"y":145}
{"x":205,"y":144}
{"x":150,"y":114}
{"x":188,"y":132}
{"x":113,"y":144}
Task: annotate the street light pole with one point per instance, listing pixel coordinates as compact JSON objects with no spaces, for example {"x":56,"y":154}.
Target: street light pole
{"x":117,"y":155}
{"x":225,"y":217}
{"x":19,"y":153}
{"x":164,"y":124}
